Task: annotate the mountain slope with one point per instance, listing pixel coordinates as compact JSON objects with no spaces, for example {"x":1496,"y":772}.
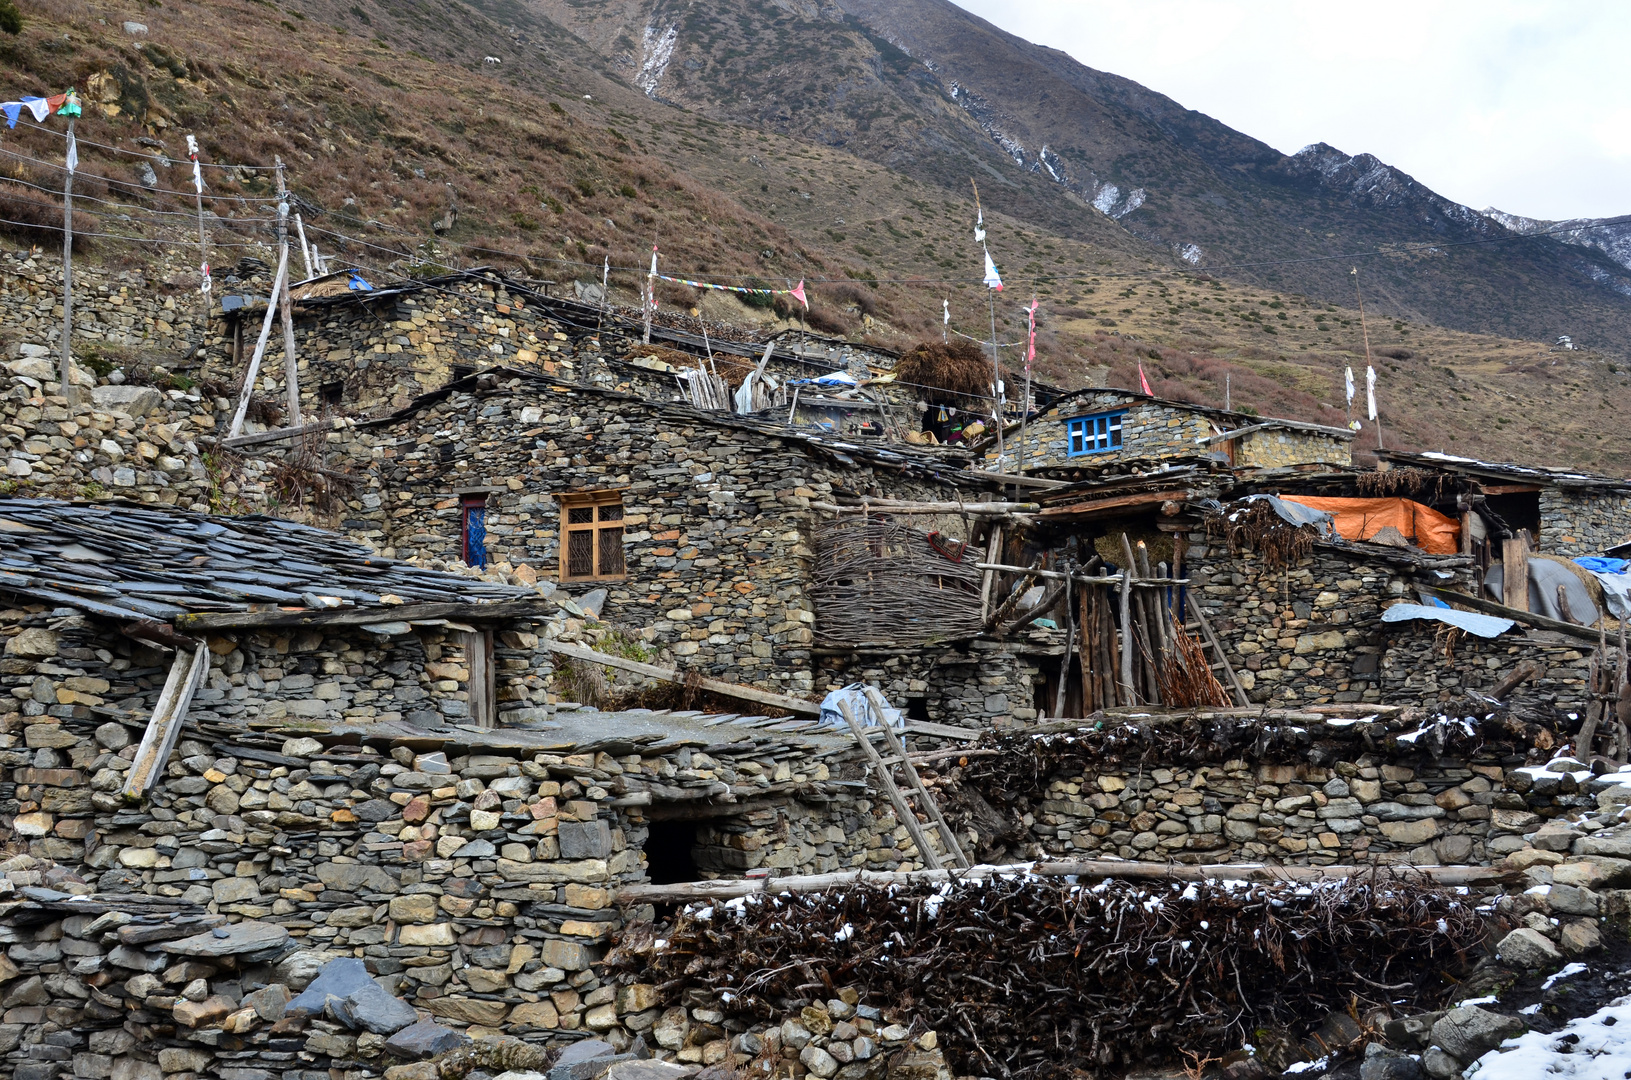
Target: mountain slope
{"x":938,"y":94}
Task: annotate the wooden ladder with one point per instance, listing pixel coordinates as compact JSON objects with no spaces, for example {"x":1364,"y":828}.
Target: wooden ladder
{"x":881,"y":767}
{"x":1219,"y":662}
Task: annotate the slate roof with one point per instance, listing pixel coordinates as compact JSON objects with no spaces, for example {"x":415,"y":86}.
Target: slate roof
{"x":1500,"y":470}
{"x":949,"y":465}
{"x":124,"y":561}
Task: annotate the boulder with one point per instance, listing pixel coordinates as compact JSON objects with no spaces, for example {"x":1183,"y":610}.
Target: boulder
{"x":1580,"y":936}
{"x":1439,"y":1065}
{"x":1468,"y":1032}
{"x":1527,"y":948}
{"x":132,"y":401}
{"x":1411,"y":1032}
{"x":1380,"y":1063}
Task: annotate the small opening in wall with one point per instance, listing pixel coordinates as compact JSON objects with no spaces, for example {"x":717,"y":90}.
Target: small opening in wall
{"x":462,"y":371}
{"x":670,"y":849}
{"x":917,"y":708}
{"x":331,"y":393}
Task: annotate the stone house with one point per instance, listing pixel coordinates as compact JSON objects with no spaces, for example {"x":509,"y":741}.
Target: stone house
{"x":697,"y":524}
{"x":125,"y":611}
{"x":1080,"y":433}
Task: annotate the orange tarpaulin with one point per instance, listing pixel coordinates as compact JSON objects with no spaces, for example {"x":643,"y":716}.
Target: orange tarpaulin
{"x":1361,"y":519}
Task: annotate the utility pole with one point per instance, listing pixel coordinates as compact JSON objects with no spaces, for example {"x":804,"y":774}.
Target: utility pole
{"x":291,"y":366}
{"x":69,"y":391}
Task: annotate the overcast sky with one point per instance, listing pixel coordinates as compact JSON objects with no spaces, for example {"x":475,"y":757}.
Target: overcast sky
{"x":1518,"y":105}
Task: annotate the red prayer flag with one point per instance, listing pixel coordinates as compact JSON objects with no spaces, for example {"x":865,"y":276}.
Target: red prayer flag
{"x":1145,"y":383}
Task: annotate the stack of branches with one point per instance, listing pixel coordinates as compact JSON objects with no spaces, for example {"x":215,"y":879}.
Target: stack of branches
{"x":877,"y":580}
{"x":1035,"y":979}
{"x":956,"y":373}
{"x":1185,"y":674}
{"x":303,"y":474}
{"x":1405,"y":480}
{"x":1257,"y":526}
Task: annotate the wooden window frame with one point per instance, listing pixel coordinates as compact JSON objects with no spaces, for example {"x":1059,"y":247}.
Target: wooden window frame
{"x":468,"y":504}
{"x":600,"y":504}
{"x":1100,"y":433}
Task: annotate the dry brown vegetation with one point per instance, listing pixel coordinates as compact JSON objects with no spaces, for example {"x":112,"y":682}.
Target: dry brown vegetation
{"x":387,"y":124}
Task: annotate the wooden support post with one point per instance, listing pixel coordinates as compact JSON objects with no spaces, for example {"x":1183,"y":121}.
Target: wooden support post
{"x":1515,"y":573}
{"x":993,"y":551}
{"x":260,"y":350}
{"x":291,"y":363}
{"x":1128,"y":694}
{"x":1071,"y":631}
{"x":164,"y":727}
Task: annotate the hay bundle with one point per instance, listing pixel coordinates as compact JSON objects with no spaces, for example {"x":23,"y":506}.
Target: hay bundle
{"x":954,"y":373}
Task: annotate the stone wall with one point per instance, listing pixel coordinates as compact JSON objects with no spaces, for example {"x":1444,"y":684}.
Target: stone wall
{"x":1574,"y":523}
{"x":1275,"y":447}
{"x":984,"y":684}
{"x":1312,"y":633}
{"x":1151,"y":429}
{"x":715,"y":513}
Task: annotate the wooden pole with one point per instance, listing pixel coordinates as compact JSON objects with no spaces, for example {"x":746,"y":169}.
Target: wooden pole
{"x":204,"y":282}
{"x":651,"y":294}
{"x":291,"y":363}
{"x":1095,"y":869}
{"x":996,"y":375}
{"x":715,"y":686}
{"x":68,"y":389}
{"x":1128,"y":696}
{"x":305,"y":252}
{"x":260,"y":350}
{"x":993,"y":549}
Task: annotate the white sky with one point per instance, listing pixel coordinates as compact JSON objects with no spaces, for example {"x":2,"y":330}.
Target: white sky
{"x":1518,"y":105}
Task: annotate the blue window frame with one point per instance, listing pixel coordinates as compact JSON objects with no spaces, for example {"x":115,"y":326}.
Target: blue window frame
{"x":1093,"y":434}
{"x":474,"y":512}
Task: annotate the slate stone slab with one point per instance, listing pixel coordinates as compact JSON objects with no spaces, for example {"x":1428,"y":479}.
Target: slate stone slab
{"x":239,"y":938}
{"x":585,"y":839}
{"x":424,"y":1039}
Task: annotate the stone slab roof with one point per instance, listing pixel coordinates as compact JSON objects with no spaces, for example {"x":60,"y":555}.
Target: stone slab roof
{"x":124,"y":561}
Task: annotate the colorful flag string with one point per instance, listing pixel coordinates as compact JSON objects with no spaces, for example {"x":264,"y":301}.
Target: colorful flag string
{"x":64,"y":104}
{"x":796,"y":292}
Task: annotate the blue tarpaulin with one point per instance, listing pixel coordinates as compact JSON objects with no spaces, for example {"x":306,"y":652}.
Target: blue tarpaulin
{"x":1484,"y":626}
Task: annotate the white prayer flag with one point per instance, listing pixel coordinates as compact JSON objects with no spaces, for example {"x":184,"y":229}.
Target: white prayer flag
{"x":1370,"y":390}
{"x":992,"y":281}
{"x":73,"y":153}
{"x":1350,"y":385}
{"x":945,"y":312}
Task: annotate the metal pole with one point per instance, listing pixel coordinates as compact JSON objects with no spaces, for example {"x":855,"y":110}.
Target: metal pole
{"x":291,"y":364}
{"x":68,"y":390}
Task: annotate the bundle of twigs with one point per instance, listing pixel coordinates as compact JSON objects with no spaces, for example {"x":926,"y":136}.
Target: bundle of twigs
{"x":948,"y":373}
{"x":1257,"y":526}
{"x":1027,"y":978}
{"x":1186,"y":675}
{"x":877,"y":580}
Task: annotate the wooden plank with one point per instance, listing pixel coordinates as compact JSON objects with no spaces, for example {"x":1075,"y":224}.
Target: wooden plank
{"x":715,"y":686}
{"x":1235,"y":689}
{"x":1515,"y":573}
{"x":1490,"y":607}
{"x":1118,"y":502}
{"x":993,"y":549}
{"x":478,"y":656}
{"x":725,"y":889}
{"x":187,"y":673}
{"x":896,"y":506}
{"x":279,"y":281}
{"x":280,"y":434}
{"x":362,"y":616}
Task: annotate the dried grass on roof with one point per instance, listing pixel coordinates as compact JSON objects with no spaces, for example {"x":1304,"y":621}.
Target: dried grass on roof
{"x":949,"y":373}
{"x":1258,"y":527}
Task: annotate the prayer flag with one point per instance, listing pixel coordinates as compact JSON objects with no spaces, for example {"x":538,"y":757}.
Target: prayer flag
{"x":1370,"y":390}
{"x":798,"y":294}
{"x":1350,"y":385}
{"x":992,"y":281}
{"x":38,"y":106}
{"x":979,"y":226}
{"x":1143,"y":382}
{"x":73,"y":153}
{"x":13,"y":109}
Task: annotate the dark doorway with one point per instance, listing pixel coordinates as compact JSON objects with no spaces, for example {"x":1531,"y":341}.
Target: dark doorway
{"x":669,"y":857}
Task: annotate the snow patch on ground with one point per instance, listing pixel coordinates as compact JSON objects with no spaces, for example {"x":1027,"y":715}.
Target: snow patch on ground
{"x":1191,"y":254}
{"x":1105,"y":200}
{"x":1593,"y":1047}
{"x":656,"y":50}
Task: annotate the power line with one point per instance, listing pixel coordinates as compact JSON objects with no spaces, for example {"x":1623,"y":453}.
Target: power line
{"x":140,"y":154}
